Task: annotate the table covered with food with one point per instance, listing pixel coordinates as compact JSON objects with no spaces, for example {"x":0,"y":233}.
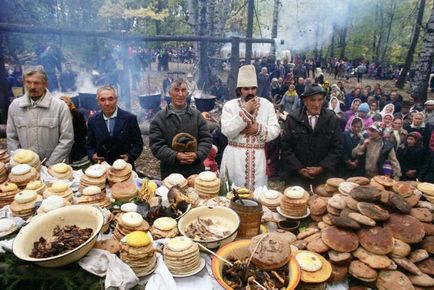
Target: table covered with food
{"x":108,"y":227}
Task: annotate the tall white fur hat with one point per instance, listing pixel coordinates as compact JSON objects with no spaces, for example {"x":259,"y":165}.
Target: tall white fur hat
{"x":247,"y":77}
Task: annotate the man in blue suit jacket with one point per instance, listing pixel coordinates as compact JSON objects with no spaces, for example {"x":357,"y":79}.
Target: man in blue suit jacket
{"x":113,"y":133}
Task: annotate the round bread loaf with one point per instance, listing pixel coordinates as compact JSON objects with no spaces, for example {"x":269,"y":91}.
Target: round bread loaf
{"x":362,"y":271}
{"x":377,"y":240}
{"x":25,"y":196}
{"x":165,"y":223}
{"x":60,"y":167}
{"x":308,"y":261}
{"x":52,"y":203}
{"x":119,"y":164}
{"x":340,"y":240}
{"x":59,"y":186}
{"x":373,"y":211}
{"x":270,"y":251}
{"x":405,"y":228}
{"x":294,"y":192}
{"x":91,"y":190}
{"x":395,"y":280}
{"x":138,"y":239}
{"x":95,"y":171}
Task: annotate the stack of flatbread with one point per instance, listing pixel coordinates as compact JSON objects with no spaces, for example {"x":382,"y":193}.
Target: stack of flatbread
{"x":181,"y":256}
{"x":94,"y":175}
{"x":22,"y":174}
{"x":129,"y":222}
{"x":59,"y":188}
{"x":93,"y":195}
{"x":119,"y":172}
{"x":61,"y":171}
{"x":7,"y":193}
{"x":25,"y":156}
{"x":24,"y":203}
{"x":138,"y":252}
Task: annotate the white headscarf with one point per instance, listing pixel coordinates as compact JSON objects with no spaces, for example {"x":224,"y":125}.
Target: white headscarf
{"x":383,"y":112}
{"x":338,"y":107}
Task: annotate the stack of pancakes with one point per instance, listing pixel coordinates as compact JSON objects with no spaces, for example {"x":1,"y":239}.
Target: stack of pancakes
{"x":294,"y":201}
{"x":181,"y":255}
{"x":164,"y":227}
{"x":51,"y":203}
{"x":22,"y":174}
{"x":175,"y":179}
{"x":61,"y":171}
{"x":61,"y":189}
{"x":4,"y":156}
{"x":24,"y":203}
{"x":94,"y":175}
{"x":124,"y":191}
{"x":207,"y":185}
{"x":7,"y":193}
{"x":138,"y":252}
{"x":3,"y":172}
{"x":25,"y":156}
{"x":271,"y":199}
{"x":92,"y":195}
{"x":37,"y":185}
{"x":119,"y":172}
{"x":129,"y":222}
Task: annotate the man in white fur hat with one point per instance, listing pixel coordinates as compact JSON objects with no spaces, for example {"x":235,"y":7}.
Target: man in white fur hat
{"x":248,"y":122}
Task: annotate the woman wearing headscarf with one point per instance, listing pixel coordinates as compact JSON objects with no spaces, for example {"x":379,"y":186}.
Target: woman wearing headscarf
{"x":411,"y":155}
{"x":336,"y":106}
{"x":353,"y":109}
{"x":362,"y":113}
{"x":398,"y":134}
{"x":388,"y":109}
{"x":417,"y":123}
{"x":78,"y":155}
{"x":350,"y":139}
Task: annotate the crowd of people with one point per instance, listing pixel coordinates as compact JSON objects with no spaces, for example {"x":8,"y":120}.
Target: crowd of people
{"x":320,"y":128}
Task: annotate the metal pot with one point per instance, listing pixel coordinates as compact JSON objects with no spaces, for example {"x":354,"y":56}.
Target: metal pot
{"x":150,"y":102}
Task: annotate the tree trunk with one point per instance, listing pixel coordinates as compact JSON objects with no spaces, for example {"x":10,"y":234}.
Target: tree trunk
{"x":342,"y":41}
{"x":235,"y":64}
{"x":423,"y":68}
{"x":414,"y":38}
{"x":275,"y":25}
{"x":389,"y":29}
{"x":222,"y":19}
{"x":249,"y":32}
{"x":379,"y":32}
{"x":332,"y":44}
{"x":158,"y":22}
{"x":203,"y":80}
{"x":4,"y":99}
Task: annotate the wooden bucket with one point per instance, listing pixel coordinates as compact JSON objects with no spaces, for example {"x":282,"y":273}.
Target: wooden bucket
{"x":250,"y":217}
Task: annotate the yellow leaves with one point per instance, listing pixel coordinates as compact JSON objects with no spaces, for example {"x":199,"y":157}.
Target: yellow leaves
{"x":147,"y":12}
{"x":119,"y":10}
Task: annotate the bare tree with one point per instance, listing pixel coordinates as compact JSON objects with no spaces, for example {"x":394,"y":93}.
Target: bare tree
{"x":222,"y":19}
{"x":423,"y":68}
{"x":414,"y":38}
{"x":203,"y":54}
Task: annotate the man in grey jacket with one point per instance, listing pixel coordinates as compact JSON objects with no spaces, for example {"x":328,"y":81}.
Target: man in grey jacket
{"x":40,"y":122}
{"x":179,"y":136}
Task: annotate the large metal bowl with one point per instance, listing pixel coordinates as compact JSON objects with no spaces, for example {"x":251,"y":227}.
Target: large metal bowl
{"x":205,"y":104}
{"x":83,"y":216}
{"x":240,"y":250}
{"x":219,"y":214}
{"x":148,"y":102}
{"x":88,"y":101}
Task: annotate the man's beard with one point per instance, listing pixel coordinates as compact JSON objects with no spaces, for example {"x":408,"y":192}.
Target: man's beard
{"x":248,"y":97}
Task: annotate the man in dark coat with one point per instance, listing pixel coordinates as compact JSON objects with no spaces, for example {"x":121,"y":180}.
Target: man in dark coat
{"x":113,"y":133}
{"x":179,"y":136}
{"x":311,"y":142}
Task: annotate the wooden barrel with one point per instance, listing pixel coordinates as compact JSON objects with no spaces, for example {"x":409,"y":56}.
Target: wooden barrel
{"x":250,"y":216}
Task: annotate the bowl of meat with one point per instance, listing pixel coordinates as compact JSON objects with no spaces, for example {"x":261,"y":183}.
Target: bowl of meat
{"x":211,"y":226}
{"x":59,"y":237}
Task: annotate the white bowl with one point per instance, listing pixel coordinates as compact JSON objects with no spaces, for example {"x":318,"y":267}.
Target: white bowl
{"x":220,"y":214}
{"x":83,"y":216}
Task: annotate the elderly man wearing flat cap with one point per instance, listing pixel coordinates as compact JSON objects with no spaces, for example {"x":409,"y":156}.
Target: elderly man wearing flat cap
{"x":311,"y":142}
{"x":248,"y":122}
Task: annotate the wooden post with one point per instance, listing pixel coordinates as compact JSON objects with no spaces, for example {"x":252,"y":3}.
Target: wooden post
{"x":235,"y":64}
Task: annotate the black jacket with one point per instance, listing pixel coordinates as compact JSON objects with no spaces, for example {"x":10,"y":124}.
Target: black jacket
{"x":410,"y":158}
{"x":303,"y":147}
{"x":165,"y":125}
{"x":126,"y":138}
{"x":78,"y":150}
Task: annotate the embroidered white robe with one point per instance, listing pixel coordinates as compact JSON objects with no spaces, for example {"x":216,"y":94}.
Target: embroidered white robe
{"x":244,"y":157}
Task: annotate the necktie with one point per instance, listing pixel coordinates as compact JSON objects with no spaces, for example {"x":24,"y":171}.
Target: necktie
{"x":312,"y":120}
